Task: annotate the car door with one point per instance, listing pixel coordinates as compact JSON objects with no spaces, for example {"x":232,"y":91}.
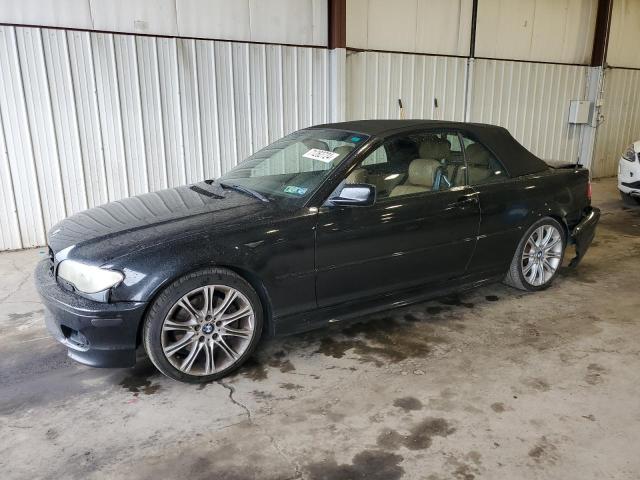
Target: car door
{"x":415,"y":233}
{"x":503,"y":210}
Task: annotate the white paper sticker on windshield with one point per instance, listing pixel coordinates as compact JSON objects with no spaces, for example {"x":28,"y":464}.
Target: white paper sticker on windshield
{"x":322,"y":155}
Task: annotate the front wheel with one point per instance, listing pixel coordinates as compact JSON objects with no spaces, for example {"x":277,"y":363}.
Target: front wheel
{"x":538,"y":256}
{"x":203,"y":326}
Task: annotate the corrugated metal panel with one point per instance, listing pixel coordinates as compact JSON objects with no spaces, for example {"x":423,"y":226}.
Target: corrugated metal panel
{"x":376,"y":80}
{"x":624,"y":35}
{"x":18,"y":143}
{"x":296,"y":22}
{"x":438,"y":27}
{"x":531,"y":100}
{"x":88,"y":118}
{"x":621,"y":115}
{"x":9,"y":226}
{"x":537,"y":30}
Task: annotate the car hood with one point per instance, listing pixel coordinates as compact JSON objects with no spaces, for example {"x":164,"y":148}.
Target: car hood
{"x":144,"y":220}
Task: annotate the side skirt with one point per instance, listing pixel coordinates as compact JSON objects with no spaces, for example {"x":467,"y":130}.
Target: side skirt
{"x":322,"y":317}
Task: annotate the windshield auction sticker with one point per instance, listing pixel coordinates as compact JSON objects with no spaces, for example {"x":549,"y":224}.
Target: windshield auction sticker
{"x":295,"y":190}
{"x":322,"y":155}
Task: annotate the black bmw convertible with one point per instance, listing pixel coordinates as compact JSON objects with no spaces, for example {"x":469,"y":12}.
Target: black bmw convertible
{"x":329,"y":223}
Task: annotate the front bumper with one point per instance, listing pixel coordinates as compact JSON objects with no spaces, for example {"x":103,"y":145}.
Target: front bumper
{"x":630,"y":188}
{"x":95,"y":334}
{"x":629,"y":176}
{"x":583,"y":233}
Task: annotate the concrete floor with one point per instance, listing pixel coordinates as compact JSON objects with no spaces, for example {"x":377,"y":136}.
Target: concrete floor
{"x":489,"y":384}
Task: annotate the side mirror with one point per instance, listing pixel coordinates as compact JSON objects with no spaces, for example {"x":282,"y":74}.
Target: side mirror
{"x":354,"y":195}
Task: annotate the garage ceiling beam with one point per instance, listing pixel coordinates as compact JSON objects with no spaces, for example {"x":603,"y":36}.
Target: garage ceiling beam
{"x":474,"y":25}
{"x":337,"y":23}
{"x":601,"y":34}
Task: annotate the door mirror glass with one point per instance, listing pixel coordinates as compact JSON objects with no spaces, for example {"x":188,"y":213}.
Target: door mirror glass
{"x":355,"y":195}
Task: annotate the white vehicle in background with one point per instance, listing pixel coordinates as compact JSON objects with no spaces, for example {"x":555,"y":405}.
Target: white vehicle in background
{"x":629,"y":174}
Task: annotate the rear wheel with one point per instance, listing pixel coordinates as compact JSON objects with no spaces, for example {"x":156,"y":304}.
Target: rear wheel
{"x":203,"y":326}
{"x":538,"y":256}
{"x":629,"y":200}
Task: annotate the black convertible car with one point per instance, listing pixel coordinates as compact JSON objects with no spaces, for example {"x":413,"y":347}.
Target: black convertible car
{"x":328,"y":223}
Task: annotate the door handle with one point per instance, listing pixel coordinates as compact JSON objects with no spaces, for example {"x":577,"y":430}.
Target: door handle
{"x":466,"y":200}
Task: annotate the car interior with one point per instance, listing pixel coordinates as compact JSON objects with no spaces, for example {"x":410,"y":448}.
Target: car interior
{"x":423,"y":163}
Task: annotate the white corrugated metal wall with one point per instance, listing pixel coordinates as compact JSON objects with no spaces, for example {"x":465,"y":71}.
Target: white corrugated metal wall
{"x":620,"y":123}
{"x":87,"y":117}
{"x":529,"y":99}
{"x":376,"y":80}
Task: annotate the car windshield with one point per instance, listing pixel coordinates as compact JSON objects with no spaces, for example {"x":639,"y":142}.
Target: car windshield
{"x":294,"y":166}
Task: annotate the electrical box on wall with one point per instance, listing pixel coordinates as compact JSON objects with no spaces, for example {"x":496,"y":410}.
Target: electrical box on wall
{"x":579,"y":111}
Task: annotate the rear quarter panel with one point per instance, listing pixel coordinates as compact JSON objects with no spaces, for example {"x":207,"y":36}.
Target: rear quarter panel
{"x":510,"y":207}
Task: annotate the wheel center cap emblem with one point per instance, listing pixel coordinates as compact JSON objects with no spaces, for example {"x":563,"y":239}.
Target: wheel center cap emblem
{"x":207,"y":328}
{"x":539,"y":254}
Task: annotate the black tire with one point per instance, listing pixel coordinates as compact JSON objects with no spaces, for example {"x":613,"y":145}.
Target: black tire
{"x":515,"y":276}
{"x":162,"y":305}
{"x":628,"y":200}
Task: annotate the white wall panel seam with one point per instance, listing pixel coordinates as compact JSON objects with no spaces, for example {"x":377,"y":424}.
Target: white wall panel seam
{"x":9,"y":209}
{"x":33,"y":91}
{"x":38,"y":233}
{"x":76,"y":122}
{"x":53,"y":136}
{"x":94,"y":98}
{"x":158,"y":105}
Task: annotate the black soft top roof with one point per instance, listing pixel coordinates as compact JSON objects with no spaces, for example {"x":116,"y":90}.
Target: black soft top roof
{"x":516,"y":159}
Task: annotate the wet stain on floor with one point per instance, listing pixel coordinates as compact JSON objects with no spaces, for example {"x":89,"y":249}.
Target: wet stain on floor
{"x":544,"y":452}
{"x":498,"y":407}
{"x":467,"y":468}
{"x":369,"y":464}
{"x":253,"y":369}
{"x":408,"y":403}
{"x":420,"y":436}
{"x":594,"y":374}
{"x":291,"y":386}
{"x":22,"y":316}
{"x":140,"y":378}
{"x":538,"y":384}
{"x":410,"y":317}
{"x":381,"y":340}
{"x":280,"y":362}
{"x":455,"y":300}
{"x":578,"y":275}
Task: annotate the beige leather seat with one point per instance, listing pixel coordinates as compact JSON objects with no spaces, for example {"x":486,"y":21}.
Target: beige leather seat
{"x":359,"y":175}
{"x":435,"y":148}
{"x":478,"y":162}
{"x":422,"y":172}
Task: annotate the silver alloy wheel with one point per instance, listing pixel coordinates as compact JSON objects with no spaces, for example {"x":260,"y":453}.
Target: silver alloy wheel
{"x":541,"y":255}
{"x":208,"y":330}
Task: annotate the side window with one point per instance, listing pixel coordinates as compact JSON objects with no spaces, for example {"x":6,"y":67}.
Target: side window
{"x":375,"y":158}
{"x":421,"y":162}
{"x":482,"y":166}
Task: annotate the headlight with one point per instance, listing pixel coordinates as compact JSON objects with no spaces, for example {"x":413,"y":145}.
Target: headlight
{"x":88,"y":278}
{"x":629,"y":154}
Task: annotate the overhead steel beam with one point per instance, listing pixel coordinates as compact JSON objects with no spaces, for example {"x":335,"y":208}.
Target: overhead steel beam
{"x":337,"y":23}
{"x":474,"y":23}
{"x":601,"y":34}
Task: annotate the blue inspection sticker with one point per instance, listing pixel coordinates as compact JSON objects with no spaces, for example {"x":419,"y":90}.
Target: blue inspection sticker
{"x":355,"y":139}
{"x":292,"y":189}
